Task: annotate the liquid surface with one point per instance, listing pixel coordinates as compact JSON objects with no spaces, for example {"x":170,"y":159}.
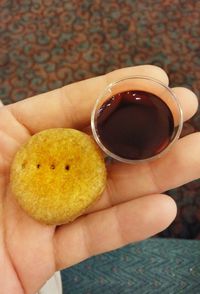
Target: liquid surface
{"x":135,"y":125}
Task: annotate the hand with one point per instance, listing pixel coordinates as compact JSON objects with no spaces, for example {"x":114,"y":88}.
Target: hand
{"x":131,"y":209}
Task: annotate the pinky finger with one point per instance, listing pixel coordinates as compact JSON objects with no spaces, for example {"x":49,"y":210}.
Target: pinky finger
{"x":112,"y":228}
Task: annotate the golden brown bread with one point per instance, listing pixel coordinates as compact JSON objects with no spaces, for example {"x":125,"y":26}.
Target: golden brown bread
{"x":57,"y":174}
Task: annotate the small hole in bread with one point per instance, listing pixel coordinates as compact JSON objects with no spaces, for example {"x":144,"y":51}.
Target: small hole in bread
{"x":52,"y":166}
{"x":23,"y":165}
{"x":38,"y":165}
{"x":67,"y":167}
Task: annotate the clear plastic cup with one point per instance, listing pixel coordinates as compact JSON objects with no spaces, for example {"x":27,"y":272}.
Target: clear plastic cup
{"x":144,"y":84}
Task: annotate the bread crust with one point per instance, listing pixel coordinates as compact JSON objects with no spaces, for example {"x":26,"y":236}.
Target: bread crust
{"x":57,"y":175}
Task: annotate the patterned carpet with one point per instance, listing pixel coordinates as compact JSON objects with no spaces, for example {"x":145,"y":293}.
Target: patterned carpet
{"x":48,"y":43}
{"x":151,"y":267}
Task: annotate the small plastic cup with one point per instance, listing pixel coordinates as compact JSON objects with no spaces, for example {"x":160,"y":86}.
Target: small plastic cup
{"x":144,"y":84}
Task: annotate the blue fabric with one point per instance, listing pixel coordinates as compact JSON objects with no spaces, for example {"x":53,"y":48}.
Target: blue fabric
{"x":154,"y":266}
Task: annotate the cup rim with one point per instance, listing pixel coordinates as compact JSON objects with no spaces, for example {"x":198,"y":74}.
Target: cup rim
{"x":122,"y":159}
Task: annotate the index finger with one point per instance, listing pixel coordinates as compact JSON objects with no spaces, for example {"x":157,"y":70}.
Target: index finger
{"x":71,"y":105}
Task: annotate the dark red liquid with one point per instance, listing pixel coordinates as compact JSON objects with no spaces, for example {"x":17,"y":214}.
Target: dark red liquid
{"x":135,"y":125}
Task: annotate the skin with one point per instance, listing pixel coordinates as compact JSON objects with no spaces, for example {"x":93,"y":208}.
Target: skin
{"x":131,"y":209}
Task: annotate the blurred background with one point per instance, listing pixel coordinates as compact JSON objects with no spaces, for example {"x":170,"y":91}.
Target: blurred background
{"x":45,"y":44}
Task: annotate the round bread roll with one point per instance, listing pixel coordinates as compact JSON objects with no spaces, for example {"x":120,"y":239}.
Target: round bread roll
{"x":57,"y":174}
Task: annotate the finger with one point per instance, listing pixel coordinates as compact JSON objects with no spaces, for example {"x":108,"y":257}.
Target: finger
{"x":71,"y":105}
{"x":188,"y":101}
{"x":8,"y":145}
{"x":178,"y":167}
{"x":112,"y":228}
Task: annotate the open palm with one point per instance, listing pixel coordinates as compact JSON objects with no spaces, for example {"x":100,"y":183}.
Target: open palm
{"x":131,"y":209}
